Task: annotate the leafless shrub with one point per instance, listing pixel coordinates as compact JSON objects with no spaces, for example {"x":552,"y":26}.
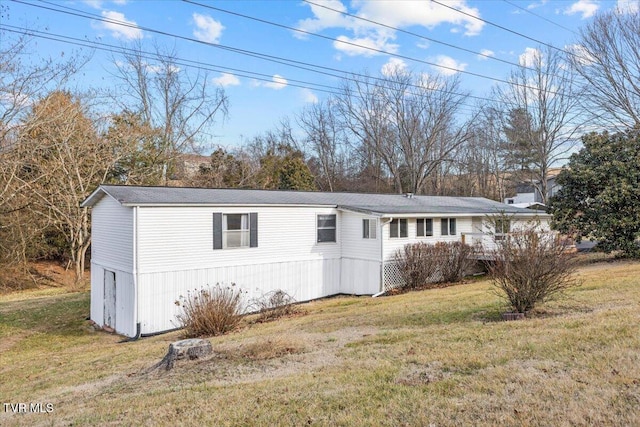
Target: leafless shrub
{"x":455,"y":260}
{"x":530,"y":267}
{"x":421,"y":264}
{"x":213,"y":311}
{"x":273,"y":305}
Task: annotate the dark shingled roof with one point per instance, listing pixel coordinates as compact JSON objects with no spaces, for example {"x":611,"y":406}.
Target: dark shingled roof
{"x":376,"y":204}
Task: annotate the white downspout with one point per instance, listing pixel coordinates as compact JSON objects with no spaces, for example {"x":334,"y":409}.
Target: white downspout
{"x":382,"y":224}
{"x":135,"y":272}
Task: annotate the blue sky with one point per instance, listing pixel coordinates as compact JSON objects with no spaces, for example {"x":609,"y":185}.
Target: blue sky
{"x":421,"y":35}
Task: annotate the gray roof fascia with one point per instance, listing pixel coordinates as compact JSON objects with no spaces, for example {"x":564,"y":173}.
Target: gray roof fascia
{"x":94,"y":197}
{"x":221,"y":205}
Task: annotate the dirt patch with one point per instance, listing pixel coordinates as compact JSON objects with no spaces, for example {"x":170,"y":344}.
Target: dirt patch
{"x":418,"y":375}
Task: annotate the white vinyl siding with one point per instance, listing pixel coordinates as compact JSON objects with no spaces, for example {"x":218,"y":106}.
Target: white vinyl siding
{"x":304,"y":280}
{"x":463,"y":225}
{"x":112,"y":234}
{"x":361,"y":258}
{"x":172,"y":239}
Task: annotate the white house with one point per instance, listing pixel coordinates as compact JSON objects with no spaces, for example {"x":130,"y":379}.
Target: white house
{"x":151,"y":245}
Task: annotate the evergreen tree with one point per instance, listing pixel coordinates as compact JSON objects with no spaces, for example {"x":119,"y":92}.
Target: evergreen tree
{"x":600,"y":194}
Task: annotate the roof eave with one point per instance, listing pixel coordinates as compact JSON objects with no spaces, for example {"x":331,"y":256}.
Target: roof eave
{"x":94,"y":197}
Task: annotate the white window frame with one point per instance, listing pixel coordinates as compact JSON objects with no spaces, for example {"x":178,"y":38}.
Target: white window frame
{"x":396,"y":223}
{"x":500,"y":225}
{"x":369,"y":228}
{"x":425,"y":221}
{"x":448,"y":228}
{"x":334,"y":228}
{"x":244,"y":233}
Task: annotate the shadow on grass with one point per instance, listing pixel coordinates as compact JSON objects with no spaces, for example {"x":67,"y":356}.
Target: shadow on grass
{"x":63,"y":315}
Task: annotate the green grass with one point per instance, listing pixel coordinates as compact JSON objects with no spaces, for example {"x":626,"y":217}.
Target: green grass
{"x":438,"y":357}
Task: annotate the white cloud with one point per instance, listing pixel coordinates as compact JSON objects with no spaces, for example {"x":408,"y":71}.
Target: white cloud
{"x":536,"y":5}
{"x":208,"y":29}
{"x":277,"y":83}
{"x":400,"y":14}
{"x":486,"y":53}
{"x":226,"y":79}
{"x":309,"y":97}
{"x":628,"y":6}
{"x":325,"y":18}
{"x":530,"y":57}
{"x":365,"y":46}
{"x":580,"y":54}
{"x":96,"y":4}
{"x":587,"y":8}
{"x":121,"y":27}
{"x":393,"y":65}
{"x":447,"y":65}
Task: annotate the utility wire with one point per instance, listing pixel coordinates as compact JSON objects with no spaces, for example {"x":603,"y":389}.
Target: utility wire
{"x":504,"y":28}
{"x":411,"y":33}
{"x":540,"y":16}
{"x":284,"y":61}
{"x":196,"y":64}
{"x":433,"y":64}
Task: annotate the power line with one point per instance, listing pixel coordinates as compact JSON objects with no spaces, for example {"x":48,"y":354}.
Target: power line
{"x":540,"y":16}
{"x":151,"y":56}
{"x":433,"y":64}
{"x":503,"y":28}
{"x":280,"y":60}
{"x":192,"y":64}
{"x":284,"y":61}
{"x":411,"y":33}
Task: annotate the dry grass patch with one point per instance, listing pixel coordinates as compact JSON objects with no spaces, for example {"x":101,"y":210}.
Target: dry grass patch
{"x":430,"y":357}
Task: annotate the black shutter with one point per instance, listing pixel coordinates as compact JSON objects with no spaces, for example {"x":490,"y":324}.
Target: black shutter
{"x":253,"y":230}
{"x":217,"y":230}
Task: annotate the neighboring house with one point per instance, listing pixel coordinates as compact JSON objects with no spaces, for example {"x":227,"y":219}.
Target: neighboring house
{"x":153,"y":245}
{"x":528,"y":194}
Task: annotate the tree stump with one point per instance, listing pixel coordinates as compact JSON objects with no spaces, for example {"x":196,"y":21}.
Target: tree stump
{"x":185,"y":349}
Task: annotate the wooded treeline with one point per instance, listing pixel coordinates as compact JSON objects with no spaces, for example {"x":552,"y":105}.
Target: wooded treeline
{"x":399,"y":131}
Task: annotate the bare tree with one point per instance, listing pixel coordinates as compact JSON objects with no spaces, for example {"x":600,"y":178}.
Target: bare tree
{"x":61,"y":160}
{"x":542,"y":96}
{"x":325,"y":140}
{"x":181,"y":105}
{"x":480,"y":158}
{"x":24,"y":76}
{"x":406,"y":122}
{"x":607,"y":58}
